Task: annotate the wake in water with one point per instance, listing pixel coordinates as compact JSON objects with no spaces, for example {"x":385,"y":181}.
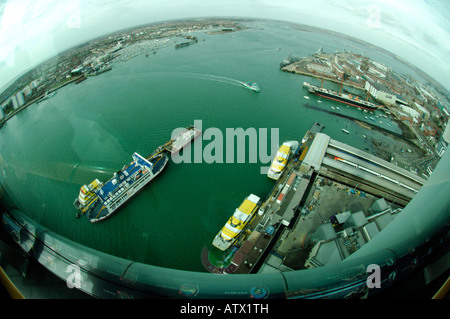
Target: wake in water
{"x":215,"y":78}
{"x":202,"y":76}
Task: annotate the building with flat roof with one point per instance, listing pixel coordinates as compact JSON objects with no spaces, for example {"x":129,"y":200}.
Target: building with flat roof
{"x":381,"y":93}
{"x":314,"y":157}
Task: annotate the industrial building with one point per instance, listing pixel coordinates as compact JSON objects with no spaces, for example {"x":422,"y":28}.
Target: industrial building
{"x":380,"y":92}
{"x":335,"y":242}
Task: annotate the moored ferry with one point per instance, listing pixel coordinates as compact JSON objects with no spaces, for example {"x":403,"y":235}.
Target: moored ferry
{"x":98,"y":201}
{"x":281,"y":158}
{"x":237,"y":222}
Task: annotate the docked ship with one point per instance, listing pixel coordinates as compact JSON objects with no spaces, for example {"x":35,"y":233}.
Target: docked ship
{"x":252,"y":86}
{"x":289,"y":60}
{"x":99,"y":71}
{"x":281,"y":158}
{"x":345,"y":98}
{"x":237,"y":222}
{"x":98,"y":201}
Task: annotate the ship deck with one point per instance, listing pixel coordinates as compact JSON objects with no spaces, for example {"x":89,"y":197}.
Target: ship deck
{"x":131,"y":169}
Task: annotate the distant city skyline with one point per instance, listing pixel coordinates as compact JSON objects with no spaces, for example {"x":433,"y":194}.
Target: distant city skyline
{"x":33,"y":31}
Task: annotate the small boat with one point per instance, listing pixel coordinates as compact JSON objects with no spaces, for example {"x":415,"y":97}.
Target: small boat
{"x":345,"y":130}
{"x":306,"y":97}
{"x":252,"y":86}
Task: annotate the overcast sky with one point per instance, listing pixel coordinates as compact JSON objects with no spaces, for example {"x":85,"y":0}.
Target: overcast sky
{"x":34,"y":30}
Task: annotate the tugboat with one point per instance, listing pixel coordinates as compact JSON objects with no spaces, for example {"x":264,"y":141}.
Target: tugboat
{"x":97,"y":201}
{"x":252,"y":86}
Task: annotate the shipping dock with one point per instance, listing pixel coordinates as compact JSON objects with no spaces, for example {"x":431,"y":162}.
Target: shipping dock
{"x":330,"y":200}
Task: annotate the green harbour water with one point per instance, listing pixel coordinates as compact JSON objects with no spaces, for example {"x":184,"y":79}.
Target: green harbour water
{"x":90,"y":130}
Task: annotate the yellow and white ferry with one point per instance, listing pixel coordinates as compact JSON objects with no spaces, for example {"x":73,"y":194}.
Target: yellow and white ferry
{"x":237,"y":222}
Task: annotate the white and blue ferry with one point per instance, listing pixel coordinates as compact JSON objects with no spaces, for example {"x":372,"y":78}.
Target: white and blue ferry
{"x":98,"y":201}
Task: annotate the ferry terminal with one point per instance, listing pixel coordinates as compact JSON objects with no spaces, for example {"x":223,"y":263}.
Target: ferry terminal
{"x":320,"y":211}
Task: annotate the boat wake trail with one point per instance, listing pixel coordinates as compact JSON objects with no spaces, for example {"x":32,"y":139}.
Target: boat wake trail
{"x":215,"y":78}
{"x":200,"y":76}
